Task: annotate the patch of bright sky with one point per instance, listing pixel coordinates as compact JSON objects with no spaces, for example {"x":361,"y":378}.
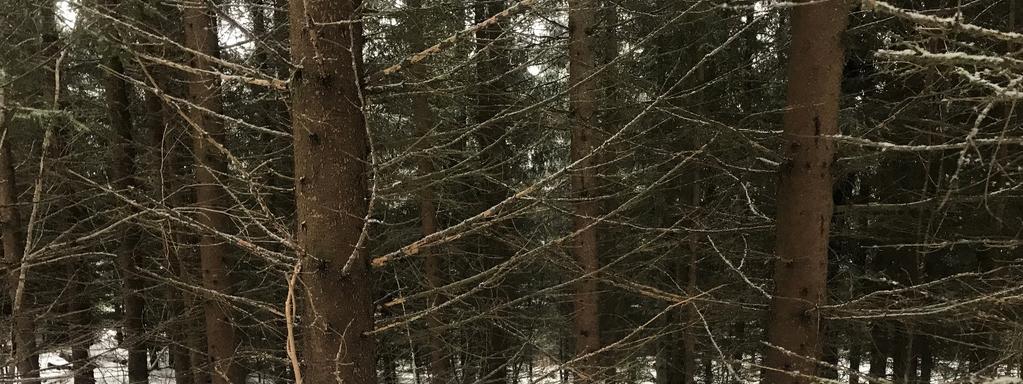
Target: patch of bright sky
{"x":67,"y":14}
{"x":231,"y":37}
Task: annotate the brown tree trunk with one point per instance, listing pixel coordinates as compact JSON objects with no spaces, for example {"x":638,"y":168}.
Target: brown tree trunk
{"x":80,"y":321}
{"x":804,"y":191}
{"x":424,"y":119}
{"x":582,"y":96}
{"x":855,"y":356}
{"x":491,"y":99}
{"x":926,"y":360}
{"x":158,"y":123}
{"x":331,"y":191}
{"x":902,"y":372}
{"x":26,"y":357}
{"x":23,"y":327}
{"x":879,"y":353}
{"x":123,"y":173}
{"x":200,"y":33}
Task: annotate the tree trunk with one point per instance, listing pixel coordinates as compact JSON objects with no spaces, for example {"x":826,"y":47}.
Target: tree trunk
{"x":902,"y":367}
{"x":739,"y":335}
{"x":79,"y":311}
{"x":424,"y":119}
{"x":855,"y":356}
{"x":26,"y":357}
{"x":331,"y":191}
{"x":492,"y":98}
{"x":123,"y":173}
{"x":804,"y":191}
{"x":879,"y":352}
{"x":926,"y":360}
{"x":582,"y":95}
{"x":200,"y":33}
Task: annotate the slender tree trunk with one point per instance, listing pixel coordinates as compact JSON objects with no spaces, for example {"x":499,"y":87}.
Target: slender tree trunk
{"x":331,"y":191}
{"x":926,"y":360}
{"x":491,"y":99}
{"x":690,"y":317}
{"x":82,"y":364}
{"x":804,"y":191}
{"x":902,"y":371}
{"x":689,"y":321}
{"x":158,"y":123}
{"x":200,"y":33}
{"x":855,"y":356}
{"x":123,"y":173}
{"x":878,"y":364}
{"x":424,"y":119}
{"x":739,"y":333}
{"x":80,"y":312}
{"x":582,"y":15}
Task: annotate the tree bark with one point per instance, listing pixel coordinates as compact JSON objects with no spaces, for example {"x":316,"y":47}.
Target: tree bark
{"x":424,"y":119}
{"x":582,"y":94}
{"x":331,"y":191}
{"x":26,"y":356}
{"x":123,"y":173}
{"x":200,"y":33}
{"x":855,"y":357}
{"x":804,"y":191}
{"x":878,"y":354}
{"x":492,"y":98}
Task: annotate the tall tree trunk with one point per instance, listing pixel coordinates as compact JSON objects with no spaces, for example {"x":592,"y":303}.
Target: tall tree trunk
{"x":123,"y":173}
{"x":200,"y":35}
{"x":424,"y":119}
{"x":582,"y":94}
{"x":159,"y":119}
{"x":804,"y":191}
{"x":25,"y":354}
{"x":492,"y":98}
{"x":331,"y":191}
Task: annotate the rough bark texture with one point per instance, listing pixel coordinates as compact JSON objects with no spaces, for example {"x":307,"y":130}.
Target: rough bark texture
{"x":331,"y":192}
{"x":200,"y":33}
{"x":424,"y":119}
{"x":804,"y":190}
{"x":26,"y":357}
{"x":582,"y":16}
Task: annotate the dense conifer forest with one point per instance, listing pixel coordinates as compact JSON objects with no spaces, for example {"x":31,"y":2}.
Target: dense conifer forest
{"x":511,"y":192}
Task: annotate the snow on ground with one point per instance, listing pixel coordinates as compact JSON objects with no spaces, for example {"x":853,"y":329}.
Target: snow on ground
{"x":108,"y":361}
